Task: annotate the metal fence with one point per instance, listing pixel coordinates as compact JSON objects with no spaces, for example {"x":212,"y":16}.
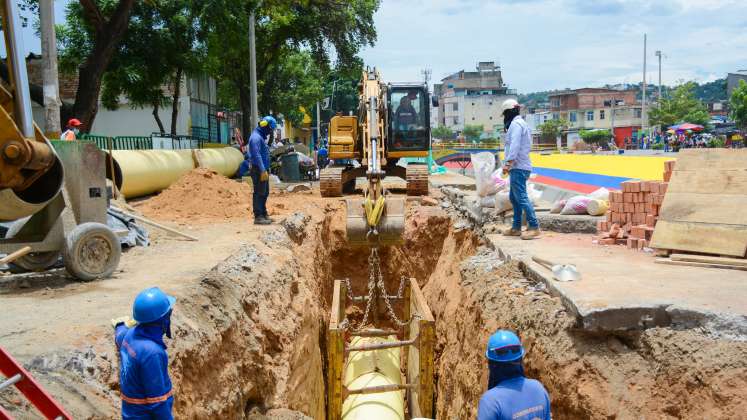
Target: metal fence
{"x":154,"y":141}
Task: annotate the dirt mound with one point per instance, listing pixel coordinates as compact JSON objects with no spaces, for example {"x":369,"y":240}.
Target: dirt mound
{"x":200,"y":195}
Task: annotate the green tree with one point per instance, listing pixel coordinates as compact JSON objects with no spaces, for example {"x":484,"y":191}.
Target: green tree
{"x":322,"y":29}
{"x":159,"y":48}
{"x":551,"y":129}
{"x":88,"y":40}
{"x":681,"y":106}
{"x":443,"y":132}
{"x":473,"y":132}
{"x":738,"y":104}
{"x":595,"y":136}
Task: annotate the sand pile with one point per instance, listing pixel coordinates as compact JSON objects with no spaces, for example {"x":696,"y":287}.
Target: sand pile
{"x":200,"y":195}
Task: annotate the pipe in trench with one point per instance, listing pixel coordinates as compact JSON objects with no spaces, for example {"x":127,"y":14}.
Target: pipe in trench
{"x":365,"y":369}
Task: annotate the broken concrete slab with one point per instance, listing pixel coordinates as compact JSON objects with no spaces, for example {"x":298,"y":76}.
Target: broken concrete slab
{"x":625,"y":290}
{"x":452,"y":179}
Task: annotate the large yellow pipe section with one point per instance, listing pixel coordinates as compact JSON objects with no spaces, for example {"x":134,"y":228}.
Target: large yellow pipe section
{"x":143,"y":172}
{"x":368,"y":369}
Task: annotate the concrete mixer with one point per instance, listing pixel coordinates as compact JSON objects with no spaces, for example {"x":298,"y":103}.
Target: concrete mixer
{"x":54,"y":193}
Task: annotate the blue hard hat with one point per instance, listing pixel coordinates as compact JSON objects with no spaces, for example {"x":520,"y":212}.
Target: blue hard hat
{"x":268,"y":120}
{"x":151,"y":305}
{"x":504,"y":346}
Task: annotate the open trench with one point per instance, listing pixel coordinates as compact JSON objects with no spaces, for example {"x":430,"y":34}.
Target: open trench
{"x":250,"y":335}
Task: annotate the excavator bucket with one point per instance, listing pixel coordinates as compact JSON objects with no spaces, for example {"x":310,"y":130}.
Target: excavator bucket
{"x":390,"y":228}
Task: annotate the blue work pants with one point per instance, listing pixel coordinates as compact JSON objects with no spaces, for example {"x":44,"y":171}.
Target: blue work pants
{"x":520,"y":199}
{"x":261,"y":192}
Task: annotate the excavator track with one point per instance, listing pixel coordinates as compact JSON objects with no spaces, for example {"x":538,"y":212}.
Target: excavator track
{"x":330,"y":182}
{"x":417,"y":179}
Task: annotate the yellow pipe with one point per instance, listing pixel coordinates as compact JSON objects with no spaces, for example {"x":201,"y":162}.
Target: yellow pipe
{"x":143,"y":172}
{"x":369,"y":369}
{"x":224,"y":160}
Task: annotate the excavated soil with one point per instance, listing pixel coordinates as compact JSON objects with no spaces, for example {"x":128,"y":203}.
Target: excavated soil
{"x":249,"y":335}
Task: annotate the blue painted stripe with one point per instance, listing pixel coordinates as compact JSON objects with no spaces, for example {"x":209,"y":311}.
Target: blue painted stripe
{"x":582,"y":178}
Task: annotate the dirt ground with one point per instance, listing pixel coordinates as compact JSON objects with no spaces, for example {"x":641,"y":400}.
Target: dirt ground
{"x":253,"y":305}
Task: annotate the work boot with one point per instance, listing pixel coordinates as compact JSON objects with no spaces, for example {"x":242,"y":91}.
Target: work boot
{"x":269,"y":219}
{"x":262,"y":221}
{"x":531,"y":234}
{"x":512,"y":232}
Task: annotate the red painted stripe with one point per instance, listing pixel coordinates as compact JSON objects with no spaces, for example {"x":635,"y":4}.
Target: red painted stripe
{"x":566,"y":185}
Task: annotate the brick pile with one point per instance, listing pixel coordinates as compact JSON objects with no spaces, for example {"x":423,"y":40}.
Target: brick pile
{"x":633,"y":212}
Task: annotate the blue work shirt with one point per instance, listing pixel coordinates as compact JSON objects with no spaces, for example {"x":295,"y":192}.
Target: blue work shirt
{"x":519,"y":144}
{"x":144,"y":380}
{"x":259,"y":153}
{"x":517,"y":398}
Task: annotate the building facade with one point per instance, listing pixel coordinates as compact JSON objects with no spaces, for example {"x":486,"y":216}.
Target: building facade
{"x":473,"y":98}
{"x":598,"y":108}
{"x":198,"y":115}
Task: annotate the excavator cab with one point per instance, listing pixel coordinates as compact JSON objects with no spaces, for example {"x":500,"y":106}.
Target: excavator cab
{"x":409,"y":119}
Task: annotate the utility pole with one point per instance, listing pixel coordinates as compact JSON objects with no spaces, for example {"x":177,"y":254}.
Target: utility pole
{"x":49,"y":69}
{"x":643,"y":103}
{"x":253,"y":72}
{"x":318,"y":126}
{"x":658,"y":54}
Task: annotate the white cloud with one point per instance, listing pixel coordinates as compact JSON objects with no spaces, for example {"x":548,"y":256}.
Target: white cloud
{"x":547,"y":44}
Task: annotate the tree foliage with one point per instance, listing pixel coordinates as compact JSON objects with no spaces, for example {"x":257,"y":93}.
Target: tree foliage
{"x":595,"y":136}
{"x":551,"y":129}
{"x":159,"y":48}
{"x":443,"y":132}
{"x":292,"y":37}
{"x":681,"y":107}
{"x":473,"y":132}
{"x":738,"y":104}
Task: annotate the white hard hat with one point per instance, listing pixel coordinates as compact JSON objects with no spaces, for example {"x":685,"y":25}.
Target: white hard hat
{"x":509,"y":104}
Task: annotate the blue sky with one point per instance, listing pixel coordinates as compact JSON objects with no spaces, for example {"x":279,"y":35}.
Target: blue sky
{"x":556,"y":44}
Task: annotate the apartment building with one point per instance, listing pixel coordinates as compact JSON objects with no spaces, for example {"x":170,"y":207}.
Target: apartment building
{"x":598,"y":108}
{"x":473,"y":98}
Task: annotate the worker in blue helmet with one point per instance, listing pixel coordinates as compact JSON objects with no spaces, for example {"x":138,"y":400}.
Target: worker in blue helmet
{"x":144,"y":383}
{"x":510,"y":395}
{"x":259,"y":161}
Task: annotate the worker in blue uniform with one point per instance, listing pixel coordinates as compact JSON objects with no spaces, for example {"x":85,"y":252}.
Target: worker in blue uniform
{"x":144,"y":382}
{"x":510,"y":395}
{"x":259,"y":160}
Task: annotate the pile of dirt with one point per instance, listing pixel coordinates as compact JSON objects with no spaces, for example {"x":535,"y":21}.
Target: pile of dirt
{"x":200,"y":195}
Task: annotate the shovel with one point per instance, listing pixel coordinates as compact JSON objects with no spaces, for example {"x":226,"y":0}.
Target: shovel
{"x":560,"y":272}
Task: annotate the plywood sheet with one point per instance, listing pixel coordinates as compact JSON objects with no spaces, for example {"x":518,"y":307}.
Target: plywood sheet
{"x":730,"y":181}
{"x":705,"y":207}
{"x":701,"y":237}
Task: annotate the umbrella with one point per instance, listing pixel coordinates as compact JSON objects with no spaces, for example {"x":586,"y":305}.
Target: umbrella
{"x":688,"y":126}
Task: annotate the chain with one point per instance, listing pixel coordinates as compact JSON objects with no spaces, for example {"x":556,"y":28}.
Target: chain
{"x":375,"y":281}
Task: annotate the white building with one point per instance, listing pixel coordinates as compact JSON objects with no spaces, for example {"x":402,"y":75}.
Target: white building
{"x":473,"y":98}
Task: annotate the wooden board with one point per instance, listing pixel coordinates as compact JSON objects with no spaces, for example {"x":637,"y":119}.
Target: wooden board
{"x":723,"y":159}
{"x":732,"y":181}
{"x":420,"y":358}
{"x":721,"y":209}
{"x":709,"y":259}
{"x":697,"y":237}
{"x":704,"y":206}
{"x":699,"y":264}
{"x":335,"y":352}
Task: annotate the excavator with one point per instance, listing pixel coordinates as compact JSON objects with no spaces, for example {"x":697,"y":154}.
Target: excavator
{"x":366,"y":358}
{"x":393,"y":122}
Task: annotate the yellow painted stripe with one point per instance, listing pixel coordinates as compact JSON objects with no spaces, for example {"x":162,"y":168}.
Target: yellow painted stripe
{"x":641,"y":167}
{"x":424,"y":153}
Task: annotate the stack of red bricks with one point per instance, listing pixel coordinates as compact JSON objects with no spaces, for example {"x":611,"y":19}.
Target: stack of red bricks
{"x":633,"y":212}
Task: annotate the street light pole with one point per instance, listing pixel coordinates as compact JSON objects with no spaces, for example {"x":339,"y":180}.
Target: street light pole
{"x":254,"y":117}
{"x":658,"y":54}
{"x":643,"y":102}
